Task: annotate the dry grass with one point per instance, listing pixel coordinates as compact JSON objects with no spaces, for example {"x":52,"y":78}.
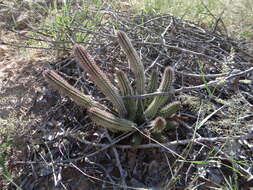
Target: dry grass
{"x":233,"y":18}
{"x":234,"y":15}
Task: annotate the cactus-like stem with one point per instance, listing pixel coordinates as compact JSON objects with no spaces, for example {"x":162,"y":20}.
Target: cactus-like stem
{"x":135,"y":63}
{"x":169,"y":109}
{"x":165,"y":86}
{"x":126,"y":90}
{"x":110,"y":121}
{"x":99,"y":78}
{"x":158,"y":125}
{"x":60,"y":84}
{"x":152,"y":85}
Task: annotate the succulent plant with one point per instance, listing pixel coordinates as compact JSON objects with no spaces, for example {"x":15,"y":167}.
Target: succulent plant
{"x":134,"y":61}
{"x":99,"y":78}
{"x":131,"y":112}
{"x":158,"y":124}
{"x":165,"y":86}
{"x":60,"y":84}
{"x":169,"y":109}
{"x":152,"y":85}
{"x":110,"y":121}
{"x":127,"y":90}
{"x":136,"y":67}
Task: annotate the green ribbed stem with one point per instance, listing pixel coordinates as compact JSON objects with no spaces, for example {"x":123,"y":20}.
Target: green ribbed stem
{"x":158,"y":101}
{"x":99,"y":78}
{"x":110,"y":121}
{"x":135,"y":63}
{"x":169,"y":109}
{"x":127,"y":90}
{"x":152,"y":85}
{"x":76,"y":95}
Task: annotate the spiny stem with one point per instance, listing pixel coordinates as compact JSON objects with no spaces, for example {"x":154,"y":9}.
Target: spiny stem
{"x":169,"y":109}
{"x":152,"y":85}
{"x":110,"y":121}
{"x":158,"y":101}
{"x":158,"y":125}
{"x":135,"y":63}
{"x":60,"y":84}
{"x":126,"y":89}
{"x":99,"y":78}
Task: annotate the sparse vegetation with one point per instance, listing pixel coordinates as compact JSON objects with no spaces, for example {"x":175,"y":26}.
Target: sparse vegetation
{"x":128,"y":116}
{"x":206,"y":44}
{"x":226,"y":16}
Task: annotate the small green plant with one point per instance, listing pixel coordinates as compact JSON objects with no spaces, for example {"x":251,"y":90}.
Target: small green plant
{"x":62,"y":22}
{"x":5,"y":148}
{"x":209,"y":91}
{"x":4,"y":151}
{"x":127,"y":113}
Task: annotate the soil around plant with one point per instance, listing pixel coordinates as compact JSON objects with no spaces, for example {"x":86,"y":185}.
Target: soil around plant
{"x":56,"y":146}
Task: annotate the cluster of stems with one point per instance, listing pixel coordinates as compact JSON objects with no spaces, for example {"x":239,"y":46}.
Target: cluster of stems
{"x":131,"y":111}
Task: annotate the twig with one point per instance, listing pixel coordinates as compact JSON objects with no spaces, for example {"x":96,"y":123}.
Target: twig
{"x":24,"y":46}
{"x":180,"y":49}
{"x":242,"y":73}
{"x":123,"y":176}
{"x":101,"y":180}
{"x":101,"y":167}
{"x":153,"y":64}
{"x":183,"y":142}
{"x":186,"y":89}
{"x":106,"y":146}
{"x":160,"y":144}
{"x":200,"y":76}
